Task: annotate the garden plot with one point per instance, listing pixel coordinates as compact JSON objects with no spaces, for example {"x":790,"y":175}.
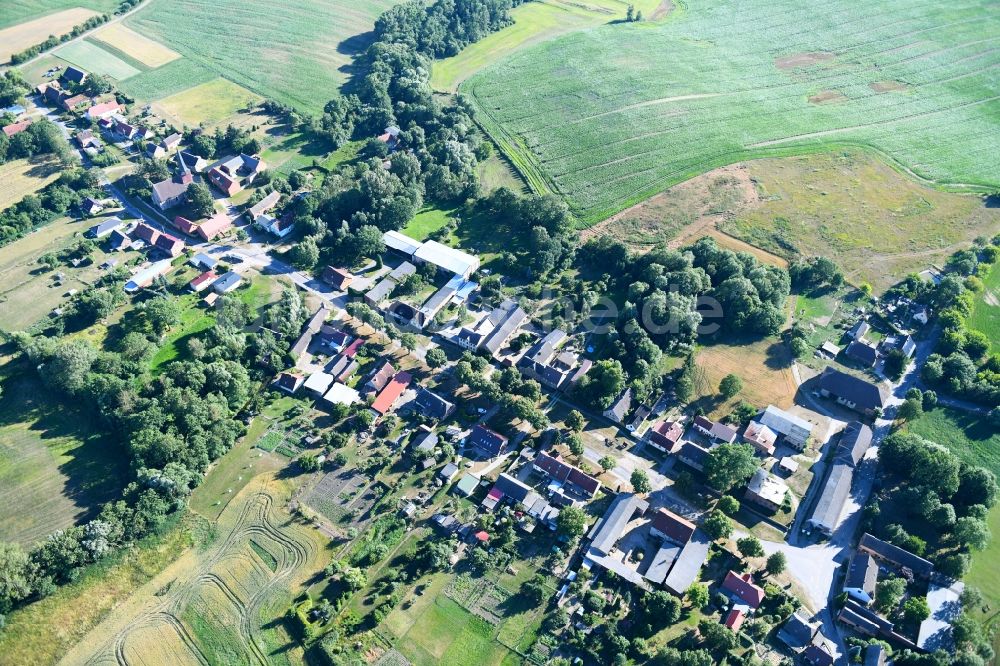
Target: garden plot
{"x":343,"y":495}
{"x":610,"y":116}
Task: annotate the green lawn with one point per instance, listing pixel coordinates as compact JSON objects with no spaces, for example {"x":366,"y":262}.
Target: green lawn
{"x":195,"y":318}
{"x":56,"y":465}
{"x":427,"y":220}
{"x":986,"y":310}
{"x":609,"y":116}
{"x":297,"y":53}
{"x":446,"y":633}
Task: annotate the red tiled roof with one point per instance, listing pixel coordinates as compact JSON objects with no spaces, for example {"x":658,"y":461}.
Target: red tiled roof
{"x":672,"y":525}
{"x":352,"y":349}
{"x":103,"y":109}
{"x":735,"y":619}
{"x":214,"y":226}
{"x":666,"y":433}
{"x":483,"y":535}
{"x":16,"y":128}
{"x":170,"y":244}
{"x":185,"y":225}
{"x":146,"y":233}
{"x":390,"y":394}
{"x":744,"y":588}
{"x":207,"y":276}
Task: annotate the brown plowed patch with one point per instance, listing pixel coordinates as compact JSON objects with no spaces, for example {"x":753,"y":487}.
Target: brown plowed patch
{"x":827,"y":97}
{"x":888,"y":86}
{"x":802,"y":59}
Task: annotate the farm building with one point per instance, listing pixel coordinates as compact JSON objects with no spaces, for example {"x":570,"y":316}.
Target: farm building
{"x":289,"y":382}
{"x":203,"y":281}
{"x":766,"y":490}
{"x":386,"y":400}
{"x":487,"y":441}
{"x":552,"y":368}
{"x":566,"y":477}
{"x":760,"y":437}
{"x":853,"y":393}
{"x":338,"y":278}
{"x":215,"y":226}
{"x":718,"y":432}
{"x":265,"y":205}
{"x":172,"y":191}
{"x":105,"y":228}
{"x":170,"y":245}
{"x":862,"y":575}
{"x":665,"y":436}
{"x":433,"y":405}
{"x":146,"y":276}
{"x":742,"y":589}
{"x":619,"y":408}
{"x":862,"y":353}
{"x":895,"y":556}
{"x":227,"y":283}
{"x":431,"y":252}
{"x":319,"y":382}
{"x":104,"y":110}
{"x":796,"y":431}
{"x":340,"y":394}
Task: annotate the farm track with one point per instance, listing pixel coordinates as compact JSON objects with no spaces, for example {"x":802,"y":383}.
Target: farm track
{"x":223,"y":565}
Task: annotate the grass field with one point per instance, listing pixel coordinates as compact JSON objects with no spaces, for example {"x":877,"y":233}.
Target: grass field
{"x":299,"y":54}
{"x":209,"y":103}
{"x":18,"y":37}
{"x":20,"y":178}
{"x":170,"y":79}
{"x":609,"y":116}
{"x":42,"y":632}
{"x":446,"y":633}
{"x":494,"y":172}
{"x":427,"y":220}
{"x":852,"y":207}
{"x":55,"y":469}
{"x":91,"y":57}
{"x":986,"y":310}
{"x":140,"y":47}
{"x":217,"y":604}
{"x":764,"y":367}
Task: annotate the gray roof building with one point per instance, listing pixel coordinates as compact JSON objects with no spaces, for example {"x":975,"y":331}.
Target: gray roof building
{"x":887,"y":552}
{"x":830,"y":505}
{"x":608,"y":530}
{"x":854,"y":442}
{"x":508,"y":325}
{"x":689,"y":562}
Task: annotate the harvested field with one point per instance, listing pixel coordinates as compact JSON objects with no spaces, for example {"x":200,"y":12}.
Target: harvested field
{"x":22,"y":11}
{"x":207,"y":606}
{"x":24,"y":35}
{"x":609,"y":116}
{"x":299,"y":54}
{"x":145,"y":50}
{"x":209,"y":103}
{"x":20,"y":178}
{"x":91,"y":57}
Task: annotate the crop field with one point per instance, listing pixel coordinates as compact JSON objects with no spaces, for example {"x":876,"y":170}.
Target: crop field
{"x":534,"y":22}
{"x":91,"y":57}
{"x":986,"y":310}
{"x":217,"y":604}
{"x":299,"y":55}
{"x":170,"y":79}
{"x":18,"y":37}
{"x":140,"y":47}
{"x":54,"y":468}
{"x":874,"y":222}
{"x":209,"y":103}
{"x":610,"y":116}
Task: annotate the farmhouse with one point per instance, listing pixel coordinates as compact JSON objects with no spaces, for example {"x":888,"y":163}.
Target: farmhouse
{"x":433,"y":405}
{"x":73,"y":75}
{"x":718,"y":432}
{"x":104,"y":110}
{"x":202,"y":282}
{"x":16,"y":128}
{"x":799,"y":632}
{"x":760,"y":437}
{"x":227,"y":283}
{"x":232,"y":174}
{"x":146,"y":276}
{"x":91,"y":206}
{"x":742,"y":589}
{"x":826,"y":514}
{"x":551,"y":368}
{"x":766,"y":490}
{"x":75,"y":102}
{"x":510,"y":319}
{"x":566,"y":477}
{"x":796,"y":431}
{"x":265,"y":205}
{"x":693,"y":455}
{"x":619,"y":408}
{"x":289,"y":382}
{"x":105,"y":228}
{"x":379,"y":377}
{"x":338,"y":278}
{"x":145,"y":233}
{"x":895,"y":556}
{"x":488,"y":442}
{"x":386,"y":400}
{"x":853,"y":393}
{"x":862,"y":576}
{"x":191,"y":162}
{"x":171,"y":245}
{"x":862,"y":353}
{"x":665,"y":436}
{"x":215,"y":226}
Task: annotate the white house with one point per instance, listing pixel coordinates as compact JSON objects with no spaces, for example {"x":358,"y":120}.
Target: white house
{"x":795,"y":430}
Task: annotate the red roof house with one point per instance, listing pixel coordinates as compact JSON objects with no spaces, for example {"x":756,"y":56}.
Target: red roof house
{"x":146,"y":233}
{"x":337,"y":278}
{"x":734,"y":620}
{"x":214,"y":226}
{"x":386,"y":400}
{"x":482,"y":536}
{"x":103,"y":110}
{"x":352,"y":349}
{"x":16,"y":128}
{"x":666,"y":435}
{"x":202,"y":281}
{"x":169,"y":244}
{"x":668,"y":525}
{"x":744,"y":589}
{"x":185,"y":225}
{"x":224,"y":182}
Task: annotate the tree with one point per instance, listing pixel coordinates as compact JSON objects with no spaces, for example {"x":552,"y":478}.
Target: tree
{"x":304,"y":254}
{"x":15,"y":576}
{"x":730,"y":386}
{"x":717,"y":637}
{"x":972,"y":533}
{"x":888,"y":592}
{"x":750,"y":547}
{"x":717,"y":525}
{"x":575,"y":444}
{"x":729,"y":465}
{"x":916,"y":610}
{"x":602,"y":384}
{"x":608,"y":463}
{"x":640,"y":482}
{"x":308,"y":463}
{"x":200,"y":199}
{"x":408,"y":341}
{"x":436,"y":357}
{"x":728,"y":505}
{"x":776,"y":563}
{"x":911,"y":409}
{"x":697,"y":595}
{"x":534,"y":589}
{"x":571,"y":522}
{"x":574,"y":421}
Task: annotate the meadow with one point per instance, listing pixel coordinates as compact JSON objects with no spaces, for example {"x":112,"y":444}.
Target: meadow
{"x":873,"y":221}
{"x":764,"y":367}
{"x":216,"y":604}
{"x":55,"y":466}
{"x":299,"y":55}
{"x":20,"y":178}
{"x":612,"y":115}
{"x":207,"y":103}
{"x":534,"y":22}
{"x":985,"y":315}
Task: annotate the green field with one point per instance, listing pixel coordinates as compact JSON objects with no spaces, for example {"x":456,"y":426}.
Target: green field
{"x":96,"y":59}
{"x":986,"y":311}
{"x":609,"y":116}
{"x":533,"y":22}
{"x":55,"y":468}
{"x":206,"y":103}
{"x":19,"y":11}
{"x":427,"y":220}
{"x":298,"y":54}
{"x":446,"y":633}
{"x":172,"y":78}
